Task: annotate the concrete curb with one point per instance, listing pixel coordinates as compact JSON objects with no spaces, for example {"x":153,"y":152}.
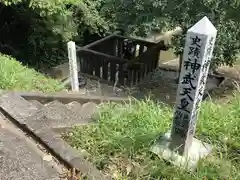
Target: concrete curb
{"x":66,"y":153}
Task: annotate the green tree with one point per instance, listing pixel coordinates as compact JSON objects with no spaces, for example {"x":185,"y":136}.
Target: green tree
{"x":33,"y":30}
{"x":36,"y":31}
{"x":140,"y":16}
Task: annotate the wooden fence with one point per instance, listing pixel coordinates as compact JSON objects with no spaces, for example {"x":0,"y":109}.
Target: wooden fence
{"x":121,"y":60}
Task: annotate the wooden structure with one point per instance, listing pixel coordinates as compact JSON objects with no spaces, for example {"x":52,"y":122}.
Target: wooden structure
{"x":120,"y":60}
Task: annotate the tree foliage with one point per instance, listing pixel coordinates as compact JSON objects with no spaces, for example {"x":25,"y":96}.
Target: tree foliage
{"x":140,"y":16}
{"x":36,"y":31}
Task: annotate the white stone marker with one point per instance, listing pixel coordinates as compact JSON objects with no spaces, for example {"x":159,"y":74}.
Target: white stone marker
{"x":73,"y":70}
{"x":179,"y":146}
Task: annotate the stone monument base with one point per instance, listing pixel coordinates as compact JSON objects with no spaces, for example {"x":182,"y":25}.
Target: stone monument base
{"x":197,"y":151}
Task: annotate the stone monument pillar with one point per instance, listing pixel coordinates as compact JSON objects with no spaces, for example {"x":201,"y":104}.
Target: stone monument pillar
{"x":180,"y":147}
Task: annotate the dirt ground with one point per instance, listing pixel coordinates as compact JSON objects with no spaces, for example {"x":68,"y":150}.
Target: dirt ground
{"x":162,"y":86}
{"x":222,"y":93}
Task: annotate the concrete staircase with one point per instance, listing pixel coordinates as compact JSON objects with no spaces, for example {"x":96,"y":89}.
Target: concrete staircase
{"x":61,"y":116}
{"x":45,"y":122}
{"x":53,"y":114}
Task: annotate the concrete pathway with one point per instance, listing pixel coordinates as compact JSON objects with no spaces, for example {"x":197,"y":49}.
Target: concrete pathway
{"x":20,"y":159}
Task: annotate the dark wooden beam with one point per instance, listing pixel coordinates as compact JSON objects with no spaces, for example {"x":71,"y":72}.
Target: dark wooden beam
{"x":99,"y":41}
{"x":137,"y":40}
{"x":107,"y":56}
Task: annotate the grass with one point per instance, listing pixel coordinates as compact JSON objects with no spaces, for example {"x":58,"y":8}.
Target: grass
{"x":14,"y":76}
{"x":238,"y":59}
{"x":119,"y":144}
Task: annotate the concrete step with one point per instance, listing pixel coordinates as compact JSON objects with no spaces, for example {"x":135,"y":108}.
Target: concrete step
{"x":88,"y":110}
{"x":41,"y":121}
{"x":74,"y":106}
{"x":55,"y":115}
{"x":51,"y":115}
{"x":17,"y":107}
{"x":37,"y":103}
{"x":85,"y":111}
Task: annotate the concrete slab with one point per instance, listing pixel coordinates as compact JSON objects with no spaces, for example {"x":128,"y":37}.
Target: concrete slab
{"x":19,"y":161}
{"x":189,"y":161}
{"x":55,"y":115}
{"x":17,"y":106}
{"x":88,"y":110}
{"x":74,"y":106}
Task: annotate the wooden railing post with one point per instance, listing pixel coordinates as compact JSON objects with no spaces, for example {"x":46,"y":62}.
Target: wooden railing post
{"x":73,"y":70}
